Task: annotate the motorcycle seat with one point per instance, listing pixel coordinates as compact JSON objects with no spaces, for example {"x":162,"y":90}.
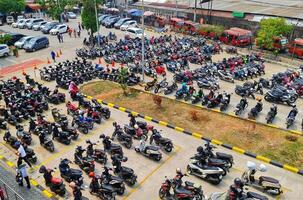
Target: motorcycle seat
{"x":29,"y":151}
{"x":224,"y":155}
{"x":181,"y":189}
{"x":164,"y":140}
{"x":268,"y":179}
{"x":115,"y":147}
{"x":154,"y":148}
{"x":107,"y":187}
{"x":215,"y":160}
{"x":187,"y":183}
{"x":76,"y":172}
{"x":141,"y":124}
{"x":256,"y":196}
{"x":56,"y":181}
{"x":127,"y":170}
{"x":129,"y":128}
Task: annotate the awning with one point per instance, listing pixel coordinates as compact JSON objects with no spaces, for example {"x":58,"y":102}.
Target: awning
{"x":34,"y":6}
{"x":299,"y":41}
{"x":138,"y":13}
{"x":132,"y":11}
{"x":148,"y":13}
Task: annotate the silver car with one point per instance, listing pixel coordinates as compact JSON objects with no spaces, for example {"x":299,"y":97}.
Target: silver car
{"x":37,"y":26}
{"x":20,"y":43}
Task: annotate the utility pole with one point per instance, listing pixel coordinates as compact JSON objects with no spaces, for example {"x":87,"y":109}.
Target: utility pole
{"x":195,"y":11}
{"x":97,"y":23}
{"x":143,"y":41}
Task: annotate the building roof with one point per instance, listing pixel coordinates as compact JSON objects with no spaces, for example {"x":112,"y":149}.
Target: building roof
{"x":284,"y":8}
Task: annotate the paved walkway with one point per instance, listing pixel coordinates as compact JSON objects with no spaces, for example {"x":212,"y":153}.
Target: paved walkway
{"x":8,"y":176}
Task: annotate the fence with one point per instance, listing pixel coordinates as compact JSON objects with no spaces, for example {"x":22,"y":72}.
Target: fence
{"x":7,"y":193}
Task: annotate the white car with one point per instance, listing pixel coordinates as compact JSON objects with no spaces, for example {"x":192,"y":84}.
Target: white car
{"x":71,"y":15}
{"x":37,"y":26}
{"x":4,"y":50}
{"x":128,"y":24}
{"x":22,"y":24}
{"x":61,"y":28}
{"x":135,"y":32}
{"x":15,"y":24}
{"x":20,"y":43}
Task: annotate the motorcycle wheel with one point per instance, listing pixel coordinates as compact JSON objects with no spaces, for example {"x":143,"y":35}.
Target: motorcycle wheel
{"x":132,"y":181}
{"x":159,"y":157}
{"x":168,"y":148}
{"x":34,"y":160}
{"x":162,"y":193}
{"x":156,"y":90}
{"x":84,"y":130}
{"x":146,"y":88}
{"x":51,"y":148}
{"x":128,"y":145}
{"x":121,"y":191}
{"x":189,"y":170}
{"x":107,"y":115}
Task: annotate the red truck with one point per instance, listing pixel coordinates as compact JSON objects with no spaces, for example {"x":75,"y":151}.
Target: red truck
{"x":296,"y":48}
{"x":237,"y":37}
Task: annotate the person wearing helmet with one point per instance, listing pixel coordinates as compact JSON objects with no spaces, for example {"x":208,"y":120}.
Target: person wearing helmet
{"x":139,"y":131}
{"x":21,"y":154}
{"x":293,"y":113}
{"x":259,"y":105}
{"x":116,"y":161}
{"x":178,"y":177}
{"x":184,"y":88}
{"x":94,"y":184}
{"x":274,"y":108}
{"x":244,"y":102}
{"x":236,"y":190}
{"x":142,"y":145}
{"x":132,"y":120}
{"x":76,"y":191}
{"x":32,"y":125}
{"x":107,"y":143}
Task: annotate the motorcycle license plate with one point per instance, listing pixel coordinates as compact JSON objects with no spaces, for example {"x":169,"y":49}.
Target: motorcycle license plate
{"x":220,"y":176}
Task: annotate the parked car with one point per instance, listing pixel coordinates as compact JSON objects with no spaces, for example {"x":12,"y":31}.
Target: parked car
{"x":135,"y":32}
{"x":37,"y":26}
{"x":128,"y":24}
{"x":120,"y":22}
{"x":71,"y":15}
{"x":32,"y":22}
{"x":22,"y":24}
{"x":15,"y":38}
{"x":36,"y":43}
{"x":103,"y":17}
{"x":20,"y":43}
{"x":15,"y":24}
{"x":61,"y":28}
{"x":110,"y":23}
{"x":4,"y":50}
{"x":10,"y":20}
{"x":107,"y":19}
{"x":20,"y":17}
{"x":48,"y":27}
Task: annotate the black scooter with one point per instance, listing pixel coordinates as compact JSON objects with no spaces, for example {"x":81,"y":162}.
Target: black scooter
{"x":123,"y":138}
{"x":85,"y":163}
{"x":161,"y":141}
{"x":70,"y":174}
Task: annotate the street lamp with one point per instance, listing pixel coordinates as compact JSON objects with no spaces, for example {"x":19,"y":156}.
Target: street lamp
{"x":143,"y":40}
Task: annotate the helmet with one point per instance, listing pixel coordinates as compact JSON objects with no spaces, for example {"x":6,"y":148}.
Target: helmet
{"x":91,"y":174}
{"x":200,"y":149}
{"x":17,"y":144}
{"x":72,"y":184}
{"x":136,"y":126}
{"x":259,"y":98}
{"x":178,"y":170}
{"x":237,"y":181}
{"x":262,"y":168}
{"x":107,"y":137}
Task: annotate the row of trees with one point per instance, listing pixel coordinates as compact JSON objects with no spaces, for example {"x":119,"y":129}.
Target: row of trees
{"x":9,"y":6}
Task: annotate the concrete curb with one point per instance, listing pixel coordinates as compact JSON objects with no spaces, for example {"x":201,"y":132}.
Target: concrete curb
{"x":33,"y":182}
{"x":200,"y":136}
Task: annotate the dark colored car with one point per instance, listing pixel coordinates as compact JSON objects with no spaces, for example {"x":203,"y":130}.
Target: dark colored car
{"x":106,"y":19}
{"x":110,"y":23}
{"x":120,"y":22}
{"x":15,"y":38}
{"x":48,"y":27}
{"x":36,"y":43}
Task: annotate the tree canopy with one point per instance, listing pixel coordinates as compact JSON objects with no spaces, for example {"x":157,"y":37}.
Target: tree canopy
{"x":8,"y":6}
{"x":89,"y":15}
{"x":271,"y":28}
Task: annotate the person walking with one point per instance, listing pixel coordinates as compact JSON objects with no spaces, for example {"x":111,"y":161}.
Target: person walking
{"x":22,"y":154}
{"x":61,"y":37}
{"x":79,"y":26}
{"x":79,"y":33}
{"x":53,"y":55}
{"x":75,"y":33}
{"x":58,"y":37}
{"x":70,"y":31}
{"x":22,"y":174}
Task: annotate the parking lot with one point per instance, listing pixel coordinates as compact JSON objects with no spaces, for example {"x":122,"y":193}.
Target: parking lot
{"x":150,"y":174}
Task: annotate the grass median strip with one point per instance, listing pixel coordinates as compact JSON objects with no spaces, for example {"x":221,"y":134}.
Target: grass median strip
{"x":271,"y":143}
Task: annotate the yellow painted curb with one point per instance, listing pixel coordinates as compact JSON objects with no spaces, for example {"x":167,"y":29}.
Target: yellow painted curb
{"x":290,"y":168}
{"x":47,"y":193}
{"x":148,"y":118}
{"x":10,"y":164}
{"x":179,"y":129}
{"x":99,"y":101}
{"x":89,"y":97}
{"x":264,"y":159}
{"x":239,"y":150}
{"x":296,"y":132}
{"x":215,"y":110}
{"x":232,"y":114}
{"x":216,"y":142}
{"x":1,"y":157}
{"x":134,"y":113}
{"x":33,"y":182}
{"x":163,"y":123}
{"x":122,"y":109}
{"x":110,"y":105}
{"x":197,"y":135}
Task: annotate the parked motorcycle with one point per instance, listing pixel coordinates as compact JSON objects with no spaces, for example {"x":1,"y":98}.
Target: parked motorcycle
{"x":171,"y":88}
{"x":271,"y":114}
{"x":70,"y":174}
{"x":161,"y":141}
{"x":161,"y":84}
{"x":97,"y":154}
{"x":56,"y":184}
{"x":85,"y":163}
{"x":149,"y":151}
{"x":124,"y":139}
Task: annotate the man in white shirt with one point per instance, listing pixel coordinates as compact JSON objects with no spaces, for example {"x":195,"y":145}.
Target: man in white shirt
{"x":22,"y":155}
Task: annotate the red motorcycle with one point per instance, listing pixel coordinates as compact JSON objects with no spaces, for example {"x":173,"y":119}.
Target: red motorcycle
{"x":165,"y":188}
{"x":95,"y":115}
{"x":71,"y":108}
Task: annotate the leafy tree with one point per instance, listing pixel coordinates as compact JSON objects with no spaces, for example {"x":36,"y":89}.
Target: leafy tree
{"x":123,"y":79}
{"x":4,"y":39}
{"x":271,"y":28}
{"x":8,"y":6}
{"x":89,"y":16}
